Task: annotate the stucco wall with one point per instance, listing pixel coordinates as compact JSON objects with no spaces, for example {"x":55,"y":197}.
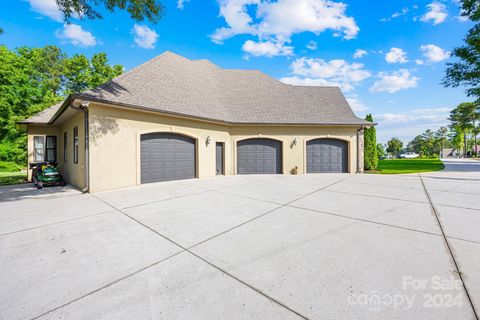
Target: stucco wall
{"x":72,"y":172}
{"x":295,"y":155}
{"x":115,"y":139}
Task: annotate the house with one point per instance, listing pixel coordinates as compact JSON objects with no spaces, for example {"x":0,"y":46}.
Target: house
{"x":174,"y":118}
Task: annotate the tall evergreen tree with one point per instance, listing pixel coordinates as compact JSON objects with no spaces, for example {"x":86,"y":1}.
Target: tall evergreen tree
{"x":370,"y":146}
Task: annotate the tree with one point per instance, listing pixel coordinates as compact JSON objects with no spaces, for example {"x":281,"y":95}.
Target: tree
{"x":464,"y":117}
{"x":430,"y":146}
{"x":394,"y":146}
{"x":82,"y":74}
{"x":370,"y":156}
{"x":380,"y":150}
{"x":456,"y":139}
{"x":441,"y":136}
{"x":416,"y":145}
{"x":466,"y":71}
{"x":32,"y":79}
{"x":139,"y":10}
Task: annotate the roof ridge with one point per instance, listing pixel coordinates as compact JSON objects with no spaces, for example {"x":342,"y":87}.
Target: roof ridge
{"x":174,"y":84}
{"x":129,"y":72}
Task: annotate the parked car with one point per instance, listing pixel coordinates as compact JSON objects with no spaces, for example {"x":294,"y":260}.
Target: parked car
{"x":408,"y":155}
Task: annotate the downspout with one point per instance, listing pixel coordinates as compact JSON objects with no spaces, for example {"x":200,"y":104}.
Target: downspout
{"x":84,"y":108}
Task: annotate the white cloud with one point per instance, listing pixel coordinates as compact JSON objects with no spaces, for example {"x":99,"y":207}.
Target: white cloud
{"x":393,"y":82}
{"x":48,"y":8}
{"x":277,"y":21}
{"x":437,"y":13}
{"x":434,"y":114}
{"x":299,"y":81}
{"x":312,"y":45}
{"x":401,"y":13}
{"x":395,"y":15}
{"x":461,"y":18}
{"x":144,"y":36}
{"x":76,"y":35}
{"x":419,"y":62}
{"x":338,"y":72}
{"x":359,"y":53}
{"x":396,"y":55}
{"x":434,"y":53}
{"x":267,"y":48}
{"x":180,"y":3}
{"x":356,"y":104}
{"x":406,"y":125}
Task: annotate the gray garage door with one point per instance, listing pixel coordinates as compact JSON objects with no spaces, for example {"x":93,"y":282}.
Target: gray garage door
{"x":327,"y":155}
{"x":259,"y":156}
{"x":166,"y":156}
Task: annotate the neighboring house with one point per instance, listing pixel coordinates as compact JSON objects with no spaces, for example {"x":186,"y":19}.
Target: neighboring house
{"x":173,"y":118}
{"x":449,"y":153}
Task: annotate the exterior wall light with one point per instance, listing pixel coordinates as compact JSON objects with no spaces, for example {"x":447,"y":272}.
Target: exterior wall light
{"x":294,"y":143}
{"x":207,"y":141}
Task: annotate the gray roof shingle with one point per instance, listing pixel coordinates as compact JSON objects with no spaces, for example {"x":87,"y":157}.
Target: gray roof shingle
{"x":173,"y":84}
{"x":43,"y":116}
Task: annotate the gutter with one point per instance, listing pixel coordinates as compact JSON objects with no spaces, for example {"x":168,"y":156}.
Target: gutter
{"x":84,"y":108}
{"x":72,"y":97}
{"x":200,"y":118}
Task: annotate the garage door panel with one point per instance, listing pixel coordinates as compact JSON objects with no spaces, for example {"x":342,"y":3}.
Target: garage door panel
{"x":327,"y":155}
{"x":166,"y":156}
{"x":261,"y":156}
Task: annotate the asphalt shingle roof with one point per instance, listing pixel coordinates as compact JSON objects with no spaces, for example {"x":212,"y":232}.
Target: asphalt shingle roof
{"x":44,"y":116}
{"x":174,"y":84}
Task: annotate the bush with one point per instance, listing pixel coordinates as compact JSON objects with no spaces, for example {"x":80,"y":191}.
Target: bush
{"x":370,"y":146}
{"x":14,"y":151}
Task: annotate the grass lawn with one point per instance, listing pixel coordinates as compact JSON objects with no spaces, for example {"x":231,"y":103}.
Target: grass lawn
{"x":11,"y":173}
{"x":397,"y":166}
{"x":12,"y":177}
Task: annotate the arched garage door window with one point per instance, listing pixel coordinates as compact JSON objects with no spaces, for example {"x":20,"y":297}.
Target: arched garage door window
{"x":166,"y":156}
{"x":327,"y":155}
{"x":259,"y":156}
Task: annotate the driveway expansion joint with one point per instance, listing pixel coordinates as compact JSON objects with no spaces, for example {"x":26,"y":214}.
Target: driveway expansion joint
{"x":447,"y":243}
{"x":108,"y":285}
{"x":366,"y":221}
{"x":185,"y":249}
{"x":57,"y":222}
{"x":378,"y":197}
{"x":163,"y":200}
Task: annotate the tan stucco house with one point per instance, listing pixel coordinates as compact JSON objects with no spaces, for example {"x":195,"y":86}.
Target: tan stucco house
{"x":174,"y":118}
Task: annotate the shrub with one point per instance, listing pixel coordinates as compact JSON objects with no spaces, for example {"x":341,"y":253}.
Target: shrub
{"x":370,"y":148}
{"x":14,"y":151}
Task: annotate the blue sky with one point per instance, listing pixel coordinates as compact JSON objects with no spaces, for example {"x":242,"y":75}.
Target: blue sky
{"x":388,"y":56}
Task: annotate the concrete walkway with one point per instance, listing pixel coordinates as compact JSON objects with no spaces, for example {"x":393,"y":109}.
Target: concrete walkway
{"x":332,"y":246}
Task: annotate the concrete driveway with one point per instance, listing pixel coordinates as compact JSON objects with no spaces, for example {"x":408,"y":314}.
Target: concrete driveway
{"x":332,"y":246}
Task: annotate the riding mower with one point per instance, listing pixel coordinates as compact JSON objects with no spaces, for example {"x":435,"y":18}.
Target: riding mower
{"x":46,"y":174}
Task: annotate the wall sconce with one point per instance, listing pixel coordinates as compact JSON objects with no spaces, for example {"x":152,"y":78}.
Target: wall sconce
{"x":207,"y":141}
{"x":294,"y":143}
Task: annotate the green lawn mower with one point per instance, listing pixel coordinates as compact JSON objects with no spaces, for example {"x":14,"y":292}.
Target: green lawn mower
{"x":46,"y":174}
